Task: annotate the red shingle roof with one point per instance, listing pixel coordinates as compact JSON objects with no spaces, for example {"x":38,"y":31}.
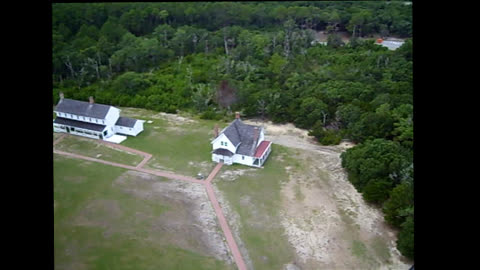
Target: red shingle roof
{"x":261,"y":148}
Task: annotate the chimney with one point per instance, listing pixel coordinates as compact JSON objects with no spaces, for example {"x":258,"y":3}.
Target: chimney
{"x":216,"y":130}
{"x":61,"y":95}
{"x":255,"y":140}
{"x":237,"y":115}
{"x":90,"y":99}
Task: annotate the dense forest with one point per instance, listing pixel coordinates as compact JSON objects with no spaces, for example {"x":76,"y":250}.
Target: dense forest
{"x":213,"y":58}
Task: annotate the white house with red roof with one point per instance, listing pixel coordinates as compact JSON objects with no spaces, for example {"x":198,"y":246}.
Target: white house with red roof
{"x":241,"y":143}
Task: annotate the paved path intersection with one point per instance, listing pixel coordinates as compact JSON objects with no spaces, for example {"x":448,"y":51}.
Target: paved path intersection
{"x":207,"y":183}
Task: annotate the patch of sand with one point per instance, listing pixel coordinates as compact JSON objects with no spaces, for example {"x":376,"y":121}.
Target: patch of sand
{"x":322,"y":213}
{"x":189,"y":222}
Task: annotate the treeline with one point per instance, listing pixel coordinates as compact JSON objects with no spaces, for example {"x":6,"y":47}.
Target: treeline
{"x":258,"y":58}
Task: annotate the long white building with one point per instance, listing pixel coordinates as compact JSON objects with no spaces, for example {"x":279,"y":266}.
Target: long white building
{"x":93,"y":120}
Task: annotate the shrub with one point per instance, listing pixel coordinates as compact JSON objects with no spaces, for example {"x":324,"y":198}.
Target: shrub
{"x":325,"y":136}
{"x":210,"y":114}
{"x":405,"y":242}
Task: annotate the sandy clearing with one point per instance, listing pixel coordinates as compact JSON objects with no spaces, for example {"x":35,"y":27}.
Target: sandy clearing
{"x":322,"y":213}
{"x":190,"y":223}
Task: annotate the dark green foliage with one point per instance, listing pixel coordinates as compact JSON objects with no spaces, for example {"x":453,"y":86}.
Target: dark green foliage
{"x":130,"y":83}
{"x":375,"y":159}
{"x":257,"y":58}
{"x":405,"y":242}
{"x":401,"y":198}
{"x":334,"y":41}
{"x":210,"y":114}
{"x":325,"y":136}
{"x":377,"y":191}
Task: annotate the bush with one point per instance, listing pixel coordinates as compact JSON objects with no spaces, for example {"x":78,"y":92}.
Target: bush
{"x":210,"y":114}
{"x":324,"y":136}
{"x":377,"y":191}
{"x":331,"y":138}
{"x":130,"y":83}
{"x":405,"y":242}
{"x":374,"y":159}
{"x":401,"y":197}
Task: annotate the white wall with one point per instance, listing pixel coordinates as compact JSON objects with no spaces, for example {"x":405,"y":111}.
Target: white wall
{"x":247,"y":160}
{"x":222,"y":138}
{"x":261,"y":137}
{"x":137,"y":128}
{"x":112,"y":116}
{"x":226,"y":160}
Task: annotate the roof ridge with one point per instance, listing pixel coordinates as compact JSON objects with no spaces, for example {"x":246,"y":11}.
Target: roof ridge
{"x":236,"y":129}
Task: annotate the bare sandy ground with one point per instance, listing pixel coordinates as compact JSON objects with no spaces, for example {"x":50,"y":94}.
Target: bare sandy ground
{"x":189,"y":223}
{"x":325,"y":218}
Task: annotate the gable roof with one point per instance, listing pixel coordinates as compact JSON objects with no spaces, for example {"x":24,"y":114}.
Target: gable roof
{"x":239,"y":133}
{"x":82,"y":108}
{"x":126,"y":122}
{"x":79,"y":124}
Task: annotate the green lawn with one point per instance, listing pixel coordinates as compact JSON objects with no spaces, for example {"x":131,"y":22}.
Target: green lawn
{"x":92,"y":148}
{"x":183,"y":148}
{"x":98,"y":225}
{"x":261,"y":230}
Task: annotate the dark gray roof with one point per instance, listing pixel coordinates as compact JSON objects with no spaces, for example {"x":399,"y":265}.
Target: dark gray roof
{"x":82,"y":108}
{"x":223,"y":152}
{"x":238,"y":132}
{"x":79,"y":124}
{"x":126,"y":122}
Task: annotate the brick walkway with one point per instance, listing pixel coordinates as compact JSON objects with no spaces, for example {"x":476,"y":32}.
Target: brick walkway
{"x":207,"y":183}
{"x":222,"y":221}
{"x":59,"y":139}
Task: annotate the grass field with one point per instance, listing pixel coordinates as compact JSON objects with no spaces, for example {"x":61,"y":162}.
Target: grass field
{"x":91,"y":148}
{"x":182,"y":147}
{"x":255,"y":196}
{"x":100,"y":223}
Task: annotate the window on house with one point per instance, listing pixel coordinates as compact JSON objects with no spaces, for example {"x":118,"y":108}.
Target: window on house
{"x":105,"y":133}
{"x":225,"y":143}
{"x":221,"y":143}
{"x":243,"y":157}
